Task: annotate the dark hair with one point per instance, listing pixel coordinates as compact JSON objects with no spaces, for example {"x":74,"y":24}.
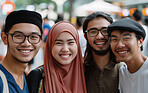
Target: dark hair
{"x":88,"y":53}
{"x":137,"y":15}
{"x":146,"y":20}
{"x":96,"y":15}
{"x":79,"y":21}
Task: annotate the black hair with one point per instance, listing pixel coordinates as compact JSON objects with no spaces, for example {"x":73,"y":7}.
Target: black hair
{"x":137,"y":15}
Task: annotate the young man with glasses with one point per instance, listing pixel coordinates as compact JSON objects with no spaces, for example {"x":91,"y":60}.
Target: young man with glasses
{"x":126,"y":38}
{"x":101,"y":69}
{"x":22,"y":35}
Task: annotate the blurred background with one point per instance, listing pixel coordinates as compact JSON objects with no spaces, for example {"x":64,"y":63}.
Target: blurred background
{"x":70,"y":10}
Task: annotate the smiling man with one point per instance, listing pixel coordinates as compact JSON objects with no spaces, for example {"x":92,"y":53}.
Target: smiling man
{"x":101,"y":69}
{"x":22,"y":35}
{"x":126,"y":38}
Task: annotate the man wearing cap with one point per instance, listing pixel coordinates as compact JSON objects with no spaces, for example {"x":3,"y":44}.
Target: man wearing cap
{"x":22,"y":35}
{"x":126,"y":38}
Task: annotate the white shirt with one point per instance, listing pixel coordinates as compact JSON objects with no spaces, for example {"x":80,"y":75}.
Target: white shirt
{"x":82,"y":41}
{"x":145,"y":42}
{"x":136,"y":82}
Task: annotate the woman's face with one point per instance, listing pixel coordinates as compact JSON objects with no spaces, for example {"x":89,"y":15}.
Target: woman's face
{"x":65,"y":48}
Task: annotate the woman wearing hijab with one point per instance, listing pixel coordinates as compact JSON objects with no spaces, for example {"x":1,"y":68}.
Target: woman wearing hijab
{"x":63,"y":63}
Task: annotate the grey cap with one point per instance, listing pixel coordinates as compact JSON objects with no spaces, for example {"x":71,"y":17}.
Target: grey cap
{"x":127,"y":24}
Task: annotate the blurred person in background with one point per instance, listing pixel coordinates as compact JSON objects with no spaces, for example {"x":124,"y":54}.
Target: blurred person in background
{"x":101,"y":67}
{"x":22,"y":35}
{"x":146,"y":21}
{"x":82,"y":39}
{"x":137,"y":16}
{"x":46,"y":27}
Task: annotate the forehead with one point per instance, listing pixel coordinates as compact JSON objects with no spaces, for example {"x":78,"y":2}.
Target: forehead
{"x":98,"y":23}
{"x":65,"y":35}
{"x":25,"y":28}
{"x":121,"y":32}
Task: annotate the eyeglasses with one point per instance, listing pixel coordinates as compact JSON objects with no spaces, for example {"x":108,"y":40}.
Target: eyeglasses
{"x":124,"y":39}
{"x":94,"y":31}
{"x":20,"y":38}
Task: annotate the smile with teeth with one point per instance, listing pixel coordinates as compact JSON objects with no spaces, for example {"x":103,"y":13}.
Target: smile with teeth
{"x":122,"y":52}
{"x":65,"y":55}
{"x":25,"y":51}
{"x":100,"y":43}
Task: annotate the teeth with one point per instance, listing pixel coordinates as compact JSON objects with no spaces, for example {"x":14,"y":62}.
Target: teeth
{"x":25,"y":51}
{"x":122,"y":52}
{"x":65,"y":56}
{"x":100,"y":43}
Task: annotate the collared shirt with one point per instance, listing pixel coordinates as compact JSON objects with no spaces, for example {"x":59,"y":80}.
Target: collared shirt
{"x":105,"y":81}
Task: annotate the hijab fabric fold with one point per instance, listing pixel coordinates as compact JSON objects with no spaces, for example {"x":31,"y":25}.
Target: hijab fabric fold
{"x":63,"y":78}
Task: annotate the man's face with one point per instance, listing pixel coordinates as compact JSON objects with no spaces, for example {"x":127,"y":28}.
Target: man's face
{"x":99,"y":43}
{"x":24,"y":51}
{"x":125,"y":45}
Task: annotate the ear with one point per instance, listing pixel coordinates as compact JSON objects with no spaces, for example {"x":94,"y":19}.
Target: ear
{"x":140,"y":42}
{"x":4,"y":38}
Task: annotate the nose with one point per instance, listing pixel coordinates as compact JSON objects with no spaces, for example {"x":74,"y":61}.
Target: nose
{"x":120,"y":44}
{"x":26,"y":42}
{"x":99,"y":36}
{"x":65,"y":48}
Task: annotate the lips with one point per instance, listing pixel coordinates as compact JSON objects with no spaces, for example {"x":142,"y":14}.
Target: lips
{"x":65,"y":56}
{"x":121,"y":52}
{"x":25,"y":51}
{"x":100,"y":43}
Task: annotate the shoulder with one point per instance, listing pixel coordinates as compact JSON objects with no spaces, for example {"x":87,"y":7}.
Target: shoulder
{"x":36,"y":72}
{"x":1,"y":84}
{"x":33,"y":79}
{"x":120,"y":64}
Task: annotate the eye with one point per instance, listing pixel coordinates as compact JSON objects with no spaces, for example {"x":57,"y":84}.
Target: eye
{"x":93,"y":31}
{"x":126,"y":38}
{"x":34,"y":36}
{"x":19,"y":36}
{"x":58,"y":43}
{"x":113,"y":39}
{"x":71,"y":42}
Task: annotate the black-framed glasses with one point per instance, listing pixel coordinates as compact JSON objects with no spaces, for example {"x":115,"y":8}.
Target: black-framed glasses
{"x":20,"y":38}
{"x":94,"y":31}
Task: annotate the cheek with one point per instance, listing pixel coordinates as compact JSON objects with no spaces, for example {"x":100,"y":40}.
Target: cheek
{"x":55,"y":51}
{"x":90,"y":40}
{"x":112,"y":48}
{"x":74,"y":49}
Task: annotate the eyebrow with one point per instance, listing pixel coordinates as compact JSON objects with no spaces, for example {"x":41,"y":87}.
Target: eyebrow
{"x":30,"y":33}
{"x":96,"y":28}
{"x":122,"y":35}
{"x":62,"y":40}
